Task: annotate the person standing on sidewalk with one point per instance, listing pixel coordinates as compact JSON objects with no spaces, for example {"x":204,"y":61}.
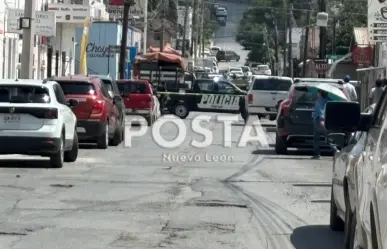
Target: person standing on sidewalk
{"x":376,"y":92}
{"x":319,"y":124}
{"x":349,"y":88}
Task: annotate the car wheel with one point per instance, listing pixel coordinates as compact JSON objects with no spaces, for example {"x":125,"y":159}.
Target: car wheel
{"x":117,"y":138}
{"x":260,"y":116}
{"x":348,"y":234}
{"x":181,"y":110}
{"x":335,"y":222}
{"x":352,"y":234}
{"x":72,"y":155}
{"x":280,"y":145}
{"x":103,"y":140}
{"x":150,"y":120}
{"x":57,"y":159}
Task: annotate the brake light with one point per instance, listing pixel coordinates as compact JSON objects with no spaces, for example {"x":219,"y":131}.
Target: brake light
{"x":285,"y":105}
{"x":98,"y":107}
{"x":250,"y":98}
{"x":51,"y":114}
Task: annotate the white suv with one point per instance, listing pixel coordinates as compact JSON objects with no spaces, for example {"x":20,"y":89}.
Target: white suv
{"x":36,"y":119}
{"x":265,"y":92}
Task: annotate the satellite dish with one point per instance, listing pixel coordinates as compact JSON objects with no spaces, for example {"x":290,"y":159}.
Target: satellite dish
{"x":322,"y":19}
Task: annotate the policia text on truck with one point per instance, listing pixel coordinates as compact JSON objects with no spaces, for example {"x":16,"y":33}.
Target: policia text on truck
{"x":179,"y":94}
{"x":207,"y":95}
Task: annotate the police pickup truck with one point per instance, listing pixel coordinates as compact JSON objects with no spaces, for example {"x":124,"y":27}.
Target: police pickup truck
{"x":206,"y":95}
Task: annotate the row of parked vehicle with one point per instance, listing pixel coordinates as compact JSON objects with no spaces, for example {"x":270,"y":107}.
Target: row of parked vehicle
{"x":51,"y":117}
{"x":359,"y":180}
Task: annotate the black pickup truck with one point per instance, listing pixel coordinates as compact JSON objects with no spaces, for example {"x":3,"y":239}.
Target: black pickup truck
{"x":206,"y":95}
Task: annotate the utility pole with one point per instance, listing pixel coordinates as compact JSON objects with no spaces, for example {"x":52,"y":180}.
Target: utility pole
{"x":185,"y":27}
{"x":290,"y":26}
{"x":163,"y":4}
{"x":27,"y":55}
{"x":124,"y":38}
{"x":276,"y":44}
{"x":194,"y":23}
{"x":197,"y":29}
{"x":202,"y":31}
{"x":306,"y":42}
{"x":323,"y":36}
{"x":145,"y":34}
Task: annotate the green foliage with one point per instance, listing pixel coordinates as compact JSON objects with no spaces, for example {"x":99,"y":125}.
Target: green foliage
{"x":171,"y":9}
{"x":351,"y":14}
{"x":209,"y":28}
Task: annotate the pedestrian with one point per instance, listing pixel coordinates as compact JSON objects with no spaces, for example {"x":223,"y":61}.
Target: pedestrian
{"x":341,"y":83}
{"x":376,"y":92}
{"x":319,"y":124}
{"x":349,"y":88}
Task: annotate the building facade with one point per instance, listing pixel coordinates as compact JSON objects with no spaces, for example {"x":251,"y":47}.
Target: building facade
{"x":69,"y":15}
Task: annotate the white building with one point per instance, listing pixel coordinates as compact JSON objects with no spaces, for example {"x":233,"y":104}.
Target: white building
{"x":69,"y":14}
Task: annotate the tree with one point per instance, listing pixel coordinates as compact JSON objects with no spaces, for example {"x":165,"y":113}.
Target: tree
{"x":351,"y":14}
{"x":154,"y":7}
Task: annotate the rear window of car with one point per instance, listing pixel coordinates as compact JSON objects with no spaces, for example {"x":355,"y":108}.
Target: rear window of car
{"x":24,"y":94}
{"x":272,"y":84}
{"x":108,"y":84}
{"x":245,"y":69}
{"x":132,"y":87}
{"x":72,"y":87}
{"x":264,"y":67}
{"x":305,"y":96}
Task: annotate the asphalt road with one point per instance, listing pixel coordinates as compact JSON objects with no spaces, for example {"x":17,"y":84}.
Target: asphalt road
{"x":225,"y":36}
{"x":138,"y":198}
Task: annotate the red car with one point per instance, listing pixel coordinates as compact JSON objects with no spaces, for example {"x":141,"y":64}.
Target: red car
{"x":139,"y":99}
{"x":96,"y":112}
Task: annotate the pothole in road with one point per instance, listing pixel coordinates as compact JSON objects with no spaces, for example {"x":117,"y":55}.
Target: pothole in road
{"x":61,"y":185}
{"x":219,"y":204}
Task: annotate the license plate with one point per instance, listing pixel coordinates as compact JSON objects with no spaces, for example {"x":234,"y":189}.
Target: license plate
{"x":12,"y":119}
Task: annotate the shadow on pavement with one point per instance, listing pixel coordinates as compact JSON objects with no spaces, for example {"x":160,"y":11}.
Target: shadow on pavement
{"x":27,"y":163}
{"x":87,"y":146}
{"x":316,"y":237}
{"x":291,"y":152}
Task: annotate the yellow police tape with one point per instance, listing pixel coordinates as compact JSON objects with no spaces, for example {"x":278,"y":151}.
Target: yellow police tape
{"x":183,"y":93}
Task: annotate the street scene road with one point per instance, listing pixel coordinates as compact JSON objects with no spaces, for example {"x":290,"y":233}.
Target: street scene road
{"x":145,"y":196}
{"x":225,"y":36}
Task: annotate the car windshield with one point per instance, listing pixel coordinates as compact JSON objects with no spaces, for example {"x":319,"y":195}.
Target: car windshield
{"x":132,"y":87}
{"x":72,"y":87}
{"x":245,"y":69}
{"x":254,"y":65}
{"x":264,"y":67}
{"x":304,"y":96}
{"x":24,"y":94}
{"x":272,"y":84}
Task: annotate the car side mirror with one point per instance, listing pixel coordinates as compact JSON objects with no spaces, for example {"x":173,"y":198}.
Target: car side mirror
{"x":336,"y":140}
{"x":116,"y":99}
{"x":72,"y":102}
{"x":342,"y":117}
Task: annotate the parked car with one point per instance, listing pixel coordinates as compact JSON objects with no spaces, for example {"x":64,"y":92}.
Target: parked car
{"x":227,"y":55}
{"x":97,"y":112}
{"x":368,"y":223}
{"x":343,"y":196}
{"x":264,"y":93}
{"x":140,"y":99}
{"x":262,"y":69}
{"x":214,"y":50}
{"x":246,"y":71}
{"x":36,"y":119}
{"x":221,"y":11}
{"x":114,"y":92}
{"x":235,"y":71}
{"x":295,"y":124}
